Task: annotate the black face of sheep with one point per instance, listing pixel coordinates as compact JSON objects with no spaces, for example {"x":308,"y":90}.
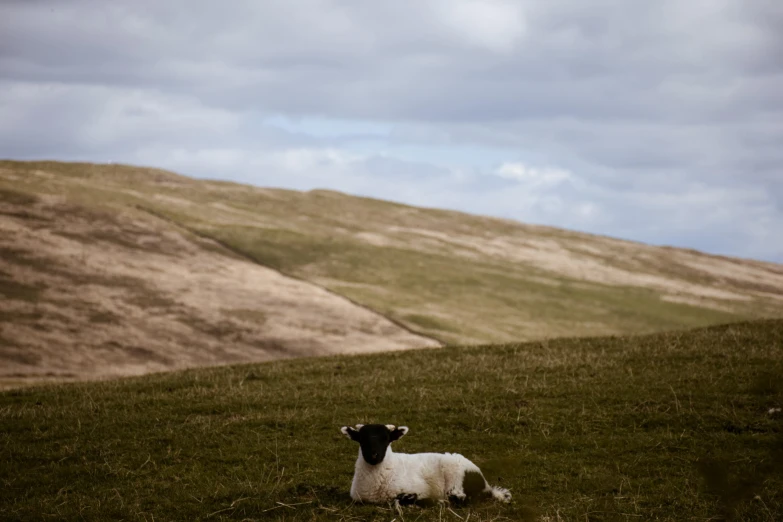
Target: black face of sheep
{"x":374,"y":439}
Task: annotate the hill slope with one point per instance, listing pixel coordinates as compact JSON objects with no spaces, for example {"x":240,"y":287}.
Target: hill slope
{"x":92,"y":293}
{"x":679,"y":426}
{"x":447,"y":276}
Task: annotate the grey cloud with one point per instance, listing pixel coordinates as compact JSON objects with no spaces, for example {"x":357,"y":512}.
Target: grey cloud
{"x":609,"y":60}
{"x":642,"y":101}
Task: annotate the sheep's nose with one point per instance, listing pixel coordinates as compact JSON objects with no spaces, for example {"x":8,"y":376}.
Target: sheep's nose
{"x":375,"y":456}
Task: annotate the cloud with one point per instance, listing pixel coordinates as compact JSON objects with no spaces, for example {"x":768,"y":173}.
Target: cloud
{"x":534,"y":176}
{"x":494,"y":25}
{"x":96,"y":118}
{"x":655,"y":121}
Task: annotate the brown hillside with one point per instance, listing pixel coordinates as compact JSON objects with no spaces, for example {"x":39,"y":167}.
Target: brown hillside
{"x":112,"y":269}
{"x":90,"y":293}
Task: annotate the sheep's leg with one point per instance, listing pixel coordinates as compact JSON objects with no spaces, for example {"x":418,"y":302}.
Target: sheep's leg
{"x":455,"y":492}
{"x":474,"y":487}
{"x":474,"y":484}
{"x":457,"y":489}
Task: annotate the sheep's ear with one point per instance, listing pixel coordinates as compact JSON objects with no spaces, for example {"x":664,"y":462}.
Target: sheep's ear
{"x":350,"y":433}
{"x":397,"y":433}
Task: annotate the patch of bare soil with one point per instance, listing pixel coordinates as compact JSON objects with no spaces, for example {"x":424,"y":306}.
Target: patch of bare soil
{"x":92,"y":294}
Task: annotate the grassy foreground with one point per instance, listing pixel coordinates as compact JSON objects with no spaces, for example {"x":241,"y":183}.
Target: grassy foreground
{"x":665,"y":427}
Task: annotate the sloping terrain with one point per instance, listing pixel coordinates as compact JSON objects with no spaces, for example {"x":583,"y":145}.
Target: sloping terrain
{"x":91,"y":292}
{"x":667,"y":427}
{"x":94,"y":255}
{"x":458,"y":277}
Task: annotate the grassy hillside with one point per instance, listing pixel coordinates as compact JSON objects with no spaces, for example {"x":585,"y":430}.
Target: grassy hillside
{"x":451,"y":276}
{"x":89,"y":292}
{"x":664,"y":427}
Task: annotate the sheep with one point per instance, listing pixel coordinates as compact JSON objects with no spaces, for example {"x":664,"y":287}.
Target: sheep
{"x":381,"y":475}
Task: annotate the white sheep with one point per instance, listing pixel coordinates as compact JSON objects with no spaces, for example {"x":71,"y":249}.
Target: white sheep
{"x":383,"y":476}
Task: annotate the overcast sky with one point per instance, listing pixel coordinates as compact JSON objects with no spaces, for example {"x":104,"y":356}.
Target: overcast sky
{"x":659,"y":121}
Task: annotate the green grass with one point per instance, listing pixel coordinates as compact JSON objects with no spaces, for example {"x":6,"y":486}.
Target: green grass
{"x":663,"y":427}
{"x":477,"y":299}
{"x":426,"y":322}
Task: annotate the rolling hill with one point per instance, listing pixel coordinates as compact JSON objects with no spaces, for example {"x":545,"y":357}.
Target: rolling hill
{"x":90,"y":292}
{"x":118,"y":270}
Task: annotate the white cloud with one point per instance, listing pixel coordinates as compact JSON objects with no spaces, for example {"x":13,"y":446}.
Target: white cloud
{"x":494,"y":25}
{"x":304,"y":160}
{"x":533,"y":176}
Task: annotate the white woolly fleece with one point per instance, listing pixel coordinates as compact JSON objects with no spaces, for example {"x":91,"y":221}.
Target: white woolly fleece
{"x":435,"y":476}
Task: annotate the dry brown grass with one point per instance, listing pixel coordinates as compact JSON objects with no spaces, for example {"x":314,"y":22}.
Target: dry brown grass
{"x":91,"y":293}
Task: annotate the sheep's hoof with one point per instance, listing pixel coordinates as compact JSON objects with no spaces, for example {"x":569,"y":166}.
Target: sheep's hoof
{"x":457,"y":499}
{"x":407,"y":499}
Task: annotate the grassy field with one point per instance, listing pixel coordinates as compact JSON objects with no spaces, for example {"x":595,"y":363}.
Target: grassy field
{"x":672,"y":426}
{"x":458,"y":278}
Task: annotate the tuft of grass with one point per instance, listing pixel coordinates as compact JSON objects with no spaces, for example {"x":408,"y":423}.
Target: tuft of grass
{"x":672,"y":426}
